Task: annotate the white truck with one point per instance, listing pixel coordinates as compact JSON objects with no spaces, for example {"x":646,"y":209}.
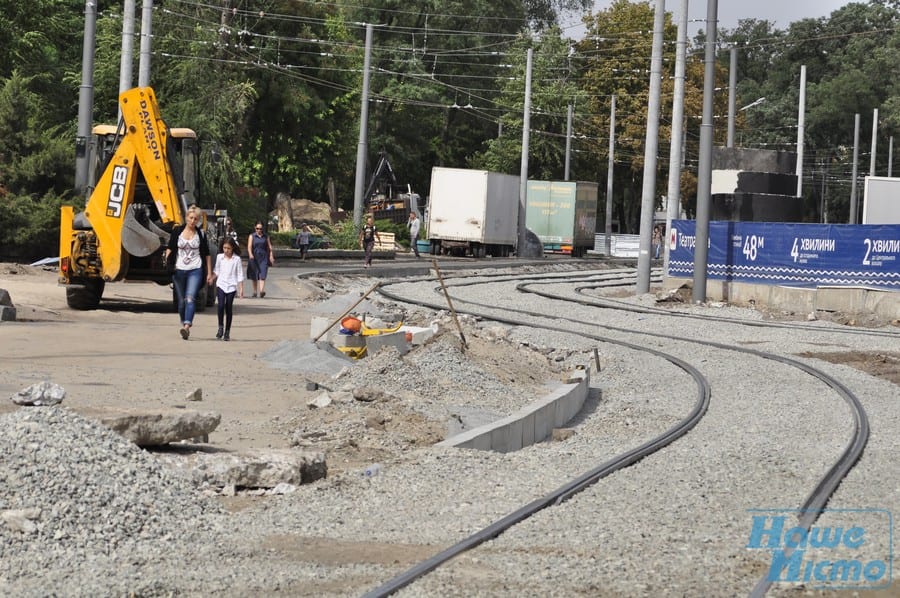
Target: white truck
{"x":881,"y":200}
{"x":473,"y":212}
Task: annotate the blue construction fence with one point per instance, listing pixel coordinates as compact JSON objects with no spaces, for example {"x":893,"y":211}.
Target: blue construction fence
{"x":787,"y":254}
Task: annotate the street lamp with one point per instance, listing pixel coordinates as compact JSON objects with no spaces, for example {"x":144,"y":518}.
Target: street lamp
{"x":756,"y":102}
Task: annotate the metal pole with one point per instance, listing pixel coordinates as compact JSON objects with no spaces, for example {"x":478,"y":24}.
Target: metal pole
{"x":801,"y":127}
{"x":568,"y":140}
{"x":822,"y":195}
{"x":363,"y":134}
{"x":890,"y":155}
{"x":651,"y":145}
{"x":146,"y":42}
{"x":673,"y":194}
{"x":704,"y":169}
{"x":85,"y":97}
{"x":609,"y":175}
{"x":523,"y":170}
{"x":732,"y":90}
{"x":874,"y":142}
{"x":852,"y":219}
{"x":125,"y":66}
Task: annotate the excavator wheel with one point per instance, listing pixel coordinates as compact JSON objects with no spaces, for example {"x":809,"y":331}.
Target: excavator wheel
{"x":86,"y":296}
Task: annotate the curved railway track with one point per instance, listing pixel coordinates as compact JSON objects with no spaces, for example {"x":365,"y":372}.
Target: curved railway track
{"x":817,"y":497}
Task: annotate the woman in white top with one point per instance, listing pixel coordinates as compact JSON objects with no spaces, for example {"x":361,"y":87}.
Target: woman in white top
{"x":229,"y":273}
{"x":192,"y":265}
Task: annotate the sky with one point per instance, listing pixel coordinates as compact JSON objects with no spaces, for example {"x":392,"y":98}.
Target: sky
{"x":783,"y":12}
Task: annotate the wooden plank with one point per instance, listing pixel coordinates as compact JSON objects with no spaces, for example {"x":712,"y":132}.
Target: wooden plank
{"x":387,"y":242}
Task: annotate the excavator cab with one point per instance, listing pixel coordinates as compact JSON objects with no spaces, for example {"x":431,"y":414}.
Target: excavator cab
{"x":184,"y":158}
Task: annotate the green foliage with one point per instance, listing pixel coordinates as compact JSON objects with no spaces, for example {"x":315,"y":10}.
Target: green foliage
{"x":29,"y":227}
{"x":273,"y":90}
{"x":282,"y":238}
{"x":556,"y":89}
{"x":342,"y":235}
{"x":401,"y":233}
{"x":36,"y":170}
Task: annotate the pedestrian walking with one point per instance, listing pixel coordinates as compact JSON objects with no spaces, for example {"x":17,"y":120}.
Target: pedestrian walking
{"x":190,"y":251}
{"x":657,"y":241}
{"x":229,"y":274}
{"x":303,"y":241}
{"x":414,"y":224}
{"x":367,"y":237}
{"x":259,"y":258}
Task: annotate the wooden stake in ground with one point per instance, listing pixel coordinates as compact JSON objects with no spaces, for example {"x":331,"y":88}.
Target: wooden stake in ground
{"x":349,"y":309}
{"x":462,"y":336}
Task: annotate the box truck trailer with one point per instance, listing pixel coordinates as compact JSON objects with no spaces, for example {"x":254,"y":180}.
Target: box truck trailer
{"x":563,"y":214}
{"x":472,"y":212}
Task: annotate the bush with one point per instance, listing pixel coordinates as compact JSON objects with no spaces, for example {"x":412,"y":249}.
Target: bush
{"x":342,"y":235}
{"x":29,"y":227}
{"x":401,"y":233}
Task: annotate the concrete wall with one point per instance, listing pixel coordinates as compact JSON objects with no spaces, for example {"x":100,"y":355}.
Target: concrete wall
{"x":848,"y":300}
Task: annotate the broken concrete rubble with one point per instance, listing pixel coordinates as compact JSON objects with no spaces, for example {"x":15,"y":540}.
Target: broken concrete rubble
{"x":253,"y":469}
{"x":156,"y":428}
{"x":7,"y":309}
{"x":41,"y":394}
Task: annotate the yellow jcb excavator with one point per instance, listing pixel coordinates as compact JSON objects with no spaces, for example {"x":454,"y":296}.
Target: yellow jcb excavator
{"x":148,"y":179}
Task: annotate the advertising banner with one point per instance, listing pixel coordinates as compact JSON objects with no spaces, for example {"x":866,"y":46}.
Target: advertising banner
{"x":790,"y":254}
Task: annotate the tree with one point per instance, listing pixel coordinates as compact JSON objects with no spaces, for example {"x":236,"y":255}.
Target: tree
{"x":36,"y":171}
{"x":553,"y":89}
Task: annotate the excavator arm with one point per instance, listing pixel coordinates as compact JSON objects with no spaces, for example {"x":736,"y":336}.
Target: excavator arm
{"x":117,"y":225}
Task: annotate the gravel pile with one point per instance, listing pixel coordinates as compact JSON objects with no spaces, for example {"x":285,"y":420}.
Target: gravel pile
{"x":677,"y":523}
{"x":74,"y":493}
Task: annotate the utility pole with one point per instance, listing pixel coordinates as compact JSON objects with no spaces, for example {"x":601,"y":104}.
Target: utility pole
{"x":568,"y":140}
{"x":648,"y":194}
{"x":852,"y":219}
{"x":609,"y":176}
{"x":363,"y":134}
{"x":676,"y":144}
{"x":146,"y":42}
{"x":704,"y":169}
{"x":523,"y":171}
{"x":801,"y":127}
{"x":125,"y":69}
{"x":732,"y":90}
{"x":85,"y":97}
{"x":874,"y":141}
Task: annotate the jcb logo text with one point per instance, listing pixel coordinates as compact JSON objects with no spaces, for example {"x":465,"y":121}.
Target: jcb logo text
{"x":117,"y":191}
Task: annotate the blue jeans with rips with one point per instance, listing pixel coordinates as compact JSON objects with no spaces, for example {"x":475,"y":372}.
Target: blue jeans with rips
{"x":187,"y":285}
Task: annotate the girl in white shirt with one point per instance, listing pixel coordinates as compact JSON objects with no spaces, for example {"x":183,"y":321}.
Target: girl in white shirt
{"x":229,"y":274}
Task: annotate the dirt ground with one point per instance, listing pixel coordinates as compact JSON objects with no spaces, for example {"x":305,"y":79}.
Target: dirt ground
{"x":128,"y":354}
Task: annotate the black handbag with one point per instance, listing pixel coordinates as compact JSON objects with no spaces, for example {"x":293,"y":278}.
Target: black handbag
{"x":170,"y":262}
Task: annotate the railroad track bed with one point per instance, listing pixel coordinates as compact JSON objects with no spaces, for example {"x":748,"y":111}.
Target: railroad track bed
{"x":676,"y":522}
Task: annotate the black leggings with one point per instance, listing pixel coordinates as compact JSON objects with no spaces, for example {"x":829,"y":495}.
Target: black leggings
{"x":225,"y":302}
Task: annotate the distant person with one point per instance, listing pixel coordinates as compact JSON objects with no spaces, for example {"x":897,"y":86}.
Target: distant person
{"x":657,"y":241}
{"x":192,"y":264}
{"x":229,"y":274}
{"x":414,"y":225}
{"x":259,"y":258}
{"x":303,"y":241}
{"x":367,"y":236}
{"x":228,"y":233}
